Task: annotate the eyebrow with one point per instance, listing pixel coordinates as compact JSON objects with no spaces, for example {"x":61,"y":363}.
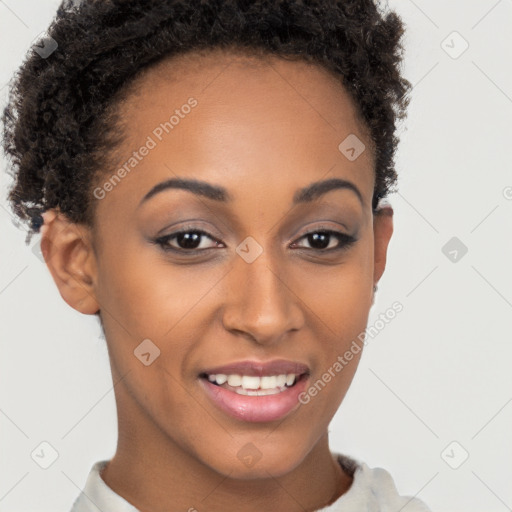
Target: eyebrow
{"x":218,"y":193}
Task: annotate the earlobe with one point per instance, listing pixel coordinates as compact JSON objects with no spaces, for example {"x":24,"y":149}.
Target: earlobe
{"x":382,"y":231}
{"x":70,"y":258}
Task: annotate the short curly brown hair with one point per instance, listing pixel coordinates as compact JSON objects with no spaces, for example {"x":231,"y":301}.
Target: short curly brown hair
{"x":60,"y":123}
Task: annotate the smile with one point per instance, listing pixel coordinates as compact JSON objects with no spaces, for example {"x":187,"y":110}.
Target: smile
{"x":256,"y":392}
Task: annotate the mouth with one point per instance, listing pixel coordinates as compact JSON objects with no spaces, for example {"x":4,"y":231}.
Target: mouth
{"x":256,"y":392}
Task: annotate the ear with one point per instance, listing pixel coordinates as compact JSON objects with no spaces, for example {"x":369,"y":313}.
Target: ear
{"x":69,"y":255}
{"x":382,"y":231}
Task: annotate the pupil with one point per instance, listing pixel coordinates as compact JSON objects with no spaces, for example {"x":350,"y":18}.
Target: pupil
{"x":188,"y":240}
{"x":316,"y":237}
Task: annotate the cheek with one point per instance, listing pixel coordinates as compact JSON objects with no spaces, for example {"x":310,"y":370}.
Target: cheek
{"x":146,"y":294}
{"x":143,"y":297}
{"x":341,"y":295}
{"x":338,"y":300}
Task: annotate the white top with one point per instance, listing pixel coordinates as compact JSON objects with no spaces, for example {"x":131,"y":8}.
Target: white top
{"x":372,"y":490}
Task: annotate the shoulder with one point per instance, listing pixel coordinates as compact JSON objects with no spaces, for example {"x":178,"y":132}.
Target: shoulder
{"x":383,"y":487}
{"x":97,"y":496}
{"x":372,"y":489}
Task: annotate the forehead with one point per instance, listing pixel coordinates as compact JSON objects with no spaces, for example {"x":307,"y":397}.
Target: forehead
{"x":254,"y":124}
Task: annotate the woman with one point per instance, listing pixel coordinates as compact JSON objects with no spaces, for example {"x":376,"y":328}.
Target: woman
{"x":208,"y":179}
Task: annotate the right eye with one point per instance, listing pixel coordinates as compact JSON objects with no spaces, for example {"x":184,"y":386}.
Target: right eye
{"x":186,"y":240}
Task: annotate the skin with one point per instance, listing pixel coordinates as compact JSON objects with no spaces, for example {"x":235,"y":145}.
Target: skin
{"x":262,"y":129}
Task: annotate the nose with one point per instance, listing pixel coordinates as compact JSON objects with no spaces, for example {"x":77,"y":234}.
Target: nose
{"x":261,"y":302}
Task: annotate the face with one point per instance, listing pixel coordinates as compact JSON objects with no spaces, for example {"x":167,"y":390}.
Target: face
{"x":264,"y":267}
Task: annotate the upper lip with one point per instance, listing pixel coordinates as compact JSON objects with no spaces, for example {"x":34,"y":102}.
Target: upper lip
{"x":259,"y":368}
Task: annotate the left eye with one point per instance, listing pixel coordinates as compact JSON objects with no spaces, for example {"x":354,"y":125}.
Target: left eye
{"x":321,"y":240}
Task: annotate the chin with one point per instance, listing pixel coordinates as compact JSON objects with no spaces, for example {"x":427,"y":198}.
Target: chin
{"x":249,"y":462}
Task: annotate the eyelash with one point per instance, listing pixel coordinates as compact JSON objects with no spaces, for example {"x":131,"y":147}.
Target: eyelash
{"x":345,"y":241}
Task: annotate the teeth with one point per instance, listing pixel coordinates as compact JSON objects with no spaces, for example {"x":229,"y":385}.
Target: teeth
{"x":259,"y":392}
{"x":268,"y":382}
{"x":251,"y":383}
{"x":280,"y":381}
{"x":220,"y":378}
{"x":234,"y":380}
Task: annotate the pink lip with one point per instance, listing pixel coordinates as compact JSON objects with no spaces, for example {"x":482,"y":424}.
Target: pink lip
{"x":259,"y":368}
{"x":256,"y":408}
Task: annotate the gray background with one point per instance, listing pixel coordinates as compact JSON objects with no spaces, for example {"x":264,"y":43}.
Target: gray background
{"x":434,"y":386}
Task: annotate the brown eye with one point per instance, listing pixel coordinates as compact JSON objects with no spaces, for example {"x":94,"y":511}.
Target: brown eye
{"x":326,"y":240}
{"x":187,"y":240}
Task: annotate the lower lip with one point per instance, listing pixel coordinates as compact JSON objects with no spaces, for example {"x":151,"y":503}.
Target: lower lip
{"x":256,"y":408}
